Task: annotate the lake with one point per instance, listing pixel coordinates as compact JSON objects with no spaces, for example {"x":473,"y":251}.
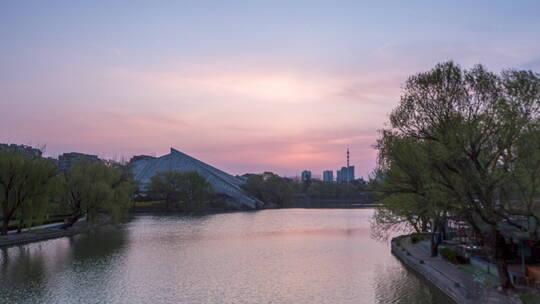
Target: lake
{"x":269,"y":256}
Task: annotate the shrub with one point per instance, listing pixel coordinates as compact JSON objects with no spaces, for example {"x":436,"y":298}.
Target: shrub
{"x":453,"y":256}
{"x":528,"y":298}
{"x":417,"y":237}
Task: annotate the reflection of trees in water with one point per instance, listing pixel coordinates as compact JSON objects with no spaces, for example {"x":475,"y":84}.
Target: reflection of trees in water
{"x":22,"y":270}
{"x":33,"y":271}
{"x":395,"y":284}
{"x":98,"y":244}
{"x":98,"y":258}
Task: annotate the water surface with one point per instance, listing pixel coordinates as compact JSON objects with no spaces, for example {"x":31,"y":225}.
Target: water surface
{"x":270,"y":256}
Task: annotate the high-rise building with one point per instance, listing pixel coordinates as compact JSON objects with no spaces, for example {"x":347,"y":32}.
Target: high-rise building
{"x":345,"y":174}
{"x":350,"y":172}
{"x":328,"y":176}
{"x":306,"y":176}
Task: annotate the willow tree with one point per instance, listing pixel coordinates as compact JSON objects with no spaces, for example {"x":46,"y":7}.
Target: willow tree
{"x":93,"y":188}
{"x":472,"y":125}
{"x":409,"y":197}
{"x":24,"y":183}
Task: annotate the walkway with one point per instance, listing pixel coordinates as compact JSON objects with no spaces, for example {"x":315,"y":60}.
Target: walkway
{"x":46,"y":226}
{"x":460,"y":286}
{"x":44,"y":232}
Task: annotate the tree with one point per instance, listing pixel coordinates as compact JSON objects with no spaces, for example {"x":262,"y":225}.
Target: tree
{"x":472,"y":127}
{"x":269,"y":188}
{"x":320,"y":189}
{"x":89,"y":188}
{"x":24,"y":180}
{"x":188,"y":189}
{"x":354,"y":189}
{"x":409,"y":197}
{"x":33,"y":212}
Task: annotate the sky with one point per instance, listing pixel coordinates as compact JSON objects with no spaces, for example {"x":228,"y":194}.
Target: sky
{"x":247,"y":86}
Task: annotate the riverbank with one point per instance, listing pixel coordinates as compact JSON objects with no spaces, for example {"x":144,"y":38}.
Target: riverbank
{"x":162,"y":207}
{"x":457,"y":285}
{"x":47,"y":234}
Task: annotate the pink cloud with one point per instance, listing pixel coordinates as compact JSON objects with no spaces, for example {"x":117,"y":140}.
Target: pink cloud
{"x":247,"y":120}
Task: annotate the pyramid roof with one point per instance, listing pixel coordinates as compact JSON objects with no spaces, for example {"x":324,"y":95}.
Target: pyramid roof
{"x":222,"y":182}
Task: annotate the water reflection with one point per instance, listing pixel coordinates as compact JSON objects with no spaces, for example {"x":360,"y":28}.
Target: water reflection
{"x":30,"y":272}
{"x":271,"y":256}
{"x":394,"y":284}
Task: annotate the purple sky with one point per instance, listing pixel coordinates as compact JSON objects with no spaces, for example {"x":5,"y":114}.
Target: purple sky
{"x":245,"y":86}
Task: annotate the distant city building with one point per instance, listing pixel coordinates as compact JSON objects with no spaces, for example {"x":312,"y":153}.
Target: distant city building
{"x":306,"y":176}
{"x":328,"y":176}
{"x":340,"y":173}
{"x":22,"y":148}
{"x":345,"y":175}
{"x":350,"y":174}
{"x":67,"y":160}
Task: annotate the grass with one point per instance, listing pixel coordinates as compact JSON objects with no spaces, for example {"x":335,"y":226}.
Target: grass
{"x":83,"y":224}
{"x":37,"y":222}
{"x":480,"y":276}
{"x":453,"y":256}
{"x":528,"y":298}
{"x":149,"y":203}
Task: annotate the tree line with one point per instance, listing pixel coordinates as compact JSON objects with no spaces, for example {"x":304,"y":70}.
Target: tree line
{"x":355,"y":189}
{"x":279,"y":192}
{"x":463,"y":145}
{"x":33,"y":188}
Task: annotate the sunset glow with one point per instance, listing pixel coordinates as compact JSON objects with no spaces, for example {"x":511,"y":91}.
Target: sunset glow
{"x":242,"y":89}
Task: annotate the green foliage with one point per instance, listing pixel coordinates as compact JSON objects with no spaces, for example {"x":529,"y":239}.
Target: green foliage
{"x":476,"y":129}
{"x":188,"y":190}
{"x":418,"y":237}
{"x":25,"y":181}
{"x":529,"y":298}
{"x":453,"y":256}
{"x":463,"y":143}
{"x":320,"y":189}
{"x":409,"y":198}
{"x":90,"y":188}
{"x":31,"y":187}
{"x":269,"y":188}
{"x":149,"y":203}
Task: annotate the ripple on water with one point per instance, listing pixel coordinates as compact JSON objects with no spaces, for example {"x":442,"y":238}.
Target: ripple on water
{"x":271,"y":256}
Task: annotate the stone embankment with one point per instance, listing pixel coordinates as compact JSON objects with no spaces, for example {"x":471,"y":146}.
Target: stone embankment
{"x":457,"y":285}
